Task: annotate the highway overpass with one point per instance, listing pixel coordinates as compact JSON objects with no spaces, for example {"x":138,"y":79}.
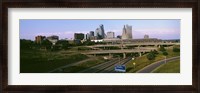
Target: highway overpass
{"x":135,"y":44}
{"x":123,"y":51}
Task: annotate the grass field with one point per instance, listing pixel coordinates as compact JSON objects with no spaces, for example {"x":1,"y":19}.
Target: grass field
{"x":37,"y":61}
{"x":170,"y":67}
{"x":84,"y":65}
{"x":142,"y":61}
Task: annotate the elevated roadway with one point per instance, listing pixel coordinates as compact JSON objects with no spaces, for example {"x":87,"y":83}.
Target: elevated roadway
{"x":123,"y":51}
{"x":135,"y":44}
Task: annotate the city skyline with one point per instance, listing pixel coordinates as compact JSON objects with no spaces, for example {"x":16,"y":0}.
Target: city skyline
{"x":161,"y":29}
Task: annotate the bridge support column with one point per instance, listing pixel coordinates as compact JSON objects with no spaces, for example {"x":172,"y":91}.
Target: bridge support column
{"x":140,"y":53}
{"x":124,"y":55}
{"x":110,"y":55}
{"x":138,"y":46}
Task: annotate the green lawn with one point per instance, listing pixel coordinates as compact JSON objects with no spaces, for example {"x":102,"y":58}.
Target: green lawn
{"x":37,"y":61}
{"x":142,"y":61}
{"x":170,"y":67}
{"x":84,"y":65}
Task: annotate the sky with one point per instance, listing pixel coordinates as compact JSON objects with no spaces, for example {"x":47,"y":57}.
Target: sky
{"x":161,"y":29}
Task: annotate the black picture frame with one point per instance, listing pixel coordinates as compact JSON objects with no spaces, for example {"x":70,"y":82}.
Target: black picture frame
{"x":194,"y":4}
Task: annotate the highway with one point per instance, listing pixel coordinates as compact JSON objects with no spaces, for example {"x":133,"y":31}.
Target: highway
{"x":153,"y":66}
{"x":111,"y":68}
{"x":107,"y":67}
{"x":118,"y":51}
{"x":134,"y":44}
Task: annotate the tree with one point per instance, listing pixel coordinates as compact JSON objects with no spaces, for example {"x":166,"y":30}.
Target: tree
{"x":64,"y":44}
{"x":165,"y":53}
{"x":26,"y":44}
{"x":175,"y":49}
{"x":136,"y":54}
{"x":47,"y":44}
{"x":162,"y":48}
{"x":155,"y":52}
{"x":88,"y":42}
{"x":55,"y":48}
{"x":151,"y":56}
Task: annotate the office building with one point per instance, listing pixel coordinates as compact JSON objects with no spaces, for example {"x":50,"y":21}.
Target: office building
{"x":93,"y":38}
{"x":102,"y":30}
{"x":87,"y":36}
{"x":53,"y":39}
{"x":110,"y":35}
{"x":78,"y":36}
{"x":99,"y":32}
{"x":39,"y":39}
{"x":127,"y":32}
{"x":91,"y":33}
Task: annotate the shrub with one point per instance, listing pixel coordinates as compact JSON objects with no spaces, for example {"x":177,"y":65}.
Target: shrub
{"x":165,"y":53}
{"x":151,"y":56}
{"x":175,"y":49}
{"x":162,"y":48}
{"x":155,"y":52}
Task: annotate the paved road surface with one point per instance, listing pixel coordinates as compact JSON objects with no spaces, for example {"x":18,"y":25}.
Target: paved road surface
{"x":153,"y":66}
{"x":111,"y":69}
{"x":99,"y":67}
{"x":107,"y":67}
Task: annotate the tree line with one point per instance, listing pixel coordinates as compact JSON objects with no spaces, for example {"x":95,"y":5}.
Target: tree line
{"x":59,"y":45}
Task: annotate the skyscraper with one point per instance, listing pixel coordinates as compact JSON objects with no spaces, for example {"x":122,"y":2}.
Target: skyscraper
{"x":127,"y":32}
{"x":87,"y":36}
{"x":102,"y":30}
{"x":99,"y":32}
{"x":91,"y":33}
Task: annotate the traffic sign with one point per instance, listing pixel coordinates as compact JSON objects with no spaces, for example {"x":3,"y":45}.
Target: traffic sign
{"x":120,"y":68}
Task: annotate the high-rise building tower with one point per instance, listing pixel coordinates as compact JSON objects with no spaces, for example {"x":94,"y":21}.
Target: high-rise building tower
{"x":127,"y":32}
{"x":91,"y":33}
{"x":87,"y":36}
{"x":99,"y":32}
{"x":102,"y":30}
